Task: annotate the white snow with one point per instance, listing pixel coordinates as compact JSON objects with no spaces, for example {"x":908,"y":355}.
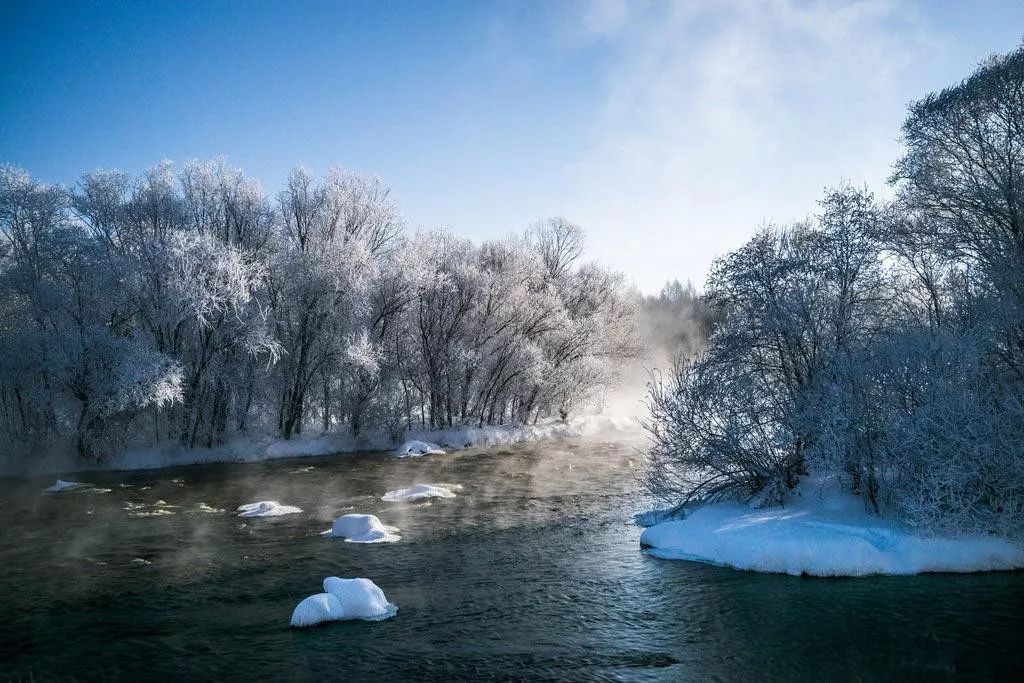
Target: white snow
{"x":363,"y":529}
{"x":417,"y":492}
{"x":266,"y":508}
{"x":414,"y":448}
{"x":651,"y":517}
{"x":820,"y":533}
{"x":270,"y":447}
{"x":62,"y":485}
{"x":344,"y":599}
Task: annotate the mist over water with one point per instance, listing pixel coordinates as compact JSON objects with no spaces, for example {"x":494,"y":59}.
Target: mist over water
{"x":532,"y":571}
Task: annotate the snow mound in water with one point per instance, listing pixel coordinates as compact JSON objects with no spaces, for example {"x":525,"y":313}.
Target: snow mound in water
{"x":344,"y":599}
{"x":266,"y":508}
{"x":363,"y":529}
{"x":417,"y":492}
{"x":821,"y":535}
{"x":62,"y":485}
{"x":413,"y":449}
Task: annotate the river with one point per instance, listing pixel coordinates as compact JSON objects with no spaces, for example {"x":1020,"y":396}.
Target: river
{"x":532,"y":572}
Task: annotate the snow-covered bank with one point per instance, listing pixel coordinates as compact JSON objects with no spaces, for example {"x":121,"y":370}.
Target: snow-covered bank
{"x":821,"y":533}
{"x":414,"y":449}
{"x":257,"y":449}
{"x":417,"y":493}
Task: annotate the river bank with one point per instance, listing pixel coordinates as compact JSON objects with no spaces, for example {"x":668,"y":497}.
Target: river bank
{"x":822,"y":531}
{"x":263,"y":447}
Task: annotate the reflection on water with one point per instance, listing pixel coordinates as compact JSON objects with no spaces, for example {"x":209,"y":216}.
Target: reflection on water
{"x":532,"y":571}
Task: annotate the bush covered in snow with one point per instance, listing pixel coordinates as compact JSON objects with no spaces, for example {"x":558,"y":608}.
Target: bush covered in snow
{"x":881,"y":345}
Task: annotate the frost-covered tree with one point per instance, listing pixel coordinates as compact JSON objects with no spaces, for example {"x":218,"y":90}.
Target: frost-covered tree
{"x":184,"y":304}
{"x":72,"y":363}
{"x":334,"y":237}
{"x":793,"y":303}
{"x":880,"y":346}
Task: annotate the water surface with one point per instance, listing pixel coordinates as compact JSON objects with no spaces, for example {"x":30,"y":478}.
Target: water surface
{"x":532,"y":572}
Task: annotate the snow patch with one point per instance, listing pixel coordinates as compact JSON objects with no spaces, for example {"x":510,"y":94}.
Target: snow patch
{"x":344,"y":599}
{"x":266,"y":508}
{"x":66,"y":485}
{"x":820,"y":534}
{"x":412,"y":449}
{"x":363,"y":529}
{"x":62,"y":486}
{"x":258,"y":448}
{"x":417,"y":492}
{"x":657,"y":516}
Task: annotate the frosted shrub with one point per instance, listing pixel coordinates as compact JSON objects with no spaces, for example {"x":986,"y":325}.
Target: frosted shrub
{"x":954,"y":442}
{"x":712,"y":438}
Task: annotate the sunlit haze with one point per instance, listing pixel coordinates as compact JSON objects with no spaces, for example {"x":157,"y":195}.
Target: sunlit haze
{"x":670,"y":131}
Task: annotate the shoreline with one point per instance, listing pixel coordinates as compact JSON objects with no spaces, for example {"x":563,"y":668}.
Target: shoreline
{"x":822,"y":532}
{"x":266,"y":447}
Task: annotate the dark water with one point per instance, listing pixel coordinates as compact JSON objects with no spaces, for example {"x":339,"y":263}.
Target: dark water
{"x":532,"y":572}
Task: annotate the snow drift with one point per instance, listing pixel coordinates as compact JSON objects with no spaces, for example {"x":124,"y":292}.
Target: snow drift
{"x":344,"y":599}
{"x":415,"y":448}
{"x":417,"y":492}
{"x":826,"y":535}
{"x":266,"y":508}
{"x":363,"y":529}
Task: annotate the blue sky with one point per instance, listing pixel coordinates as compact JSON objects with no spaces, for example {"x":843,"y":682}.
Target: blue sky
{"x":669,"y":130}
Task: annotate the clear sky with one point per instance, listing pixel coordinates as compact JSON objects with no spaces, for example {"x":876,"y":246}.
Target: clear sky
{"x":669,"y":130}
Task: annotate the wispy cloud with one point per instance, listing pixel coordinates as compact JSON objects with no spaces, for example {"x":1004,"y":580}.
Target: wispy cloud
{"x":721,"y":115}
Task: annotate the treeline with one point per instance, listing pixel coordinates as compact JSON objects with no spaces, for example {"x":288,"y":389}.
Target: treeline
{"x":188,"y":305}
{"x":880,"y":344}
{"x":676,"y":323}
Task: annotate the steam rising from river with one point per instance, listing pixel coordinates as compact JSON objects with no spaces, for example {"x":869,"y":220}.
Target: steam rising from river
{"x":180,"y":522}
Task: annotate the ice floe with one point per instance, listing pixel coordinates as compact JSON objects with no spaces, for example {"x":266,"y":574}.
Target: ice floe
{"x":344,"y":599}
{"x":266,"y":508}
{"x":363,"y":529}
{"x":417,"y":492}
{"x":158,"y":509}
